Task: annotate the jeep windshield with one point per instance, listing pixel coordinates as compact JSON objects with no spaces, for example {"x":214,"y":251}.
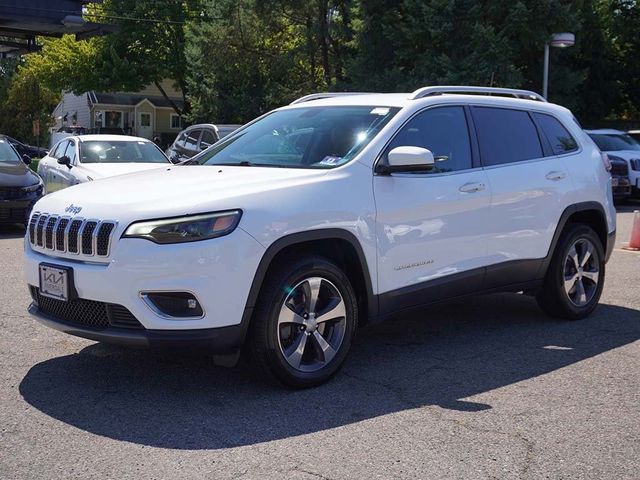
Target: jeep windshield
{"x":615,"y":142}
{"x":313,"y":137}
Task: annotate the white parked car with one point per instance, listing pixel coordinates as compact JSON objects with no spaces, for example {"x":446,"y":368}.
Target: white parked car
{"x":621,"y":147}
{"x":79,"y":159}
{"x":326,"y":215}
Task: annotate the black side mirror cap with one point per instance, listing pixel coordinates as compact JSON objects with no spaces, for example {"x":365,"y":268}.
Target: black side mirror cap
{"x":26,"y":159}
{"x":64,"y":160}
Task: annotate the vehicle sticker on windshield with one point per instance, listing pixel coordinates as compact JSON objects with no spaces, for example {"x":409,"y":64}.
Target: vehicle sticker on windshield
{"x":379,"y":111}
{"x":330,"y":160}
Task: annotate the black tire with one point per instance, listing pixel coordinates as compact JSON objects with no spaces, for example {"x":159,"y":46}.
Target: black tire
{"x":264,"y":336}
{"x":553,"y":299}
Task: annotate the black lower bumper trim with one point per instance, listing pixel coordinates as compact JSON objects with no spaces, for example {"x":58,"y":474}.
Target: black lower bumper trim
{"x":221,"y":341}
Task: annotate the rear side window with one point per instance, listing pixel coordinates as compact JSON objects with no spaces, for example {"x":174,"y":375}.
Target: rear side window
{"x":442,"y":130}
{"x":559,"y":137}
{"x":506,"y":135}
{"x":191,"y":142}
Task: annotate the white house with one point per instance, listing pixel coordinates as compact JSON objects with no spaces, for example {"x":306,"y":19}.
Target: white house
{"x":146,"y":113}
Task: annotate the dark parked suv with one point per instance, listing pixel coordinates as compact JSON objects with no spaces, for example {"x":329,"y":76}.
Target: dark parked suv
{"x":20,"y":187}
{"x":197,"y":138}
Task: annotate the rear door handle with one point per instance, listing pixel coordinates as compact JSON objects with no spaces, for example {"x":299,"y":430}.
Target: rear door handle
{"x":472,"y":187}
{"x":555,"y":176}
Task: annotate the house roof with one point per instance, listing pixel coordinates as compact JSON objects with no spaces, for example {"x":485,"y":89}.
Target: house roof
{"x":131,"y":99}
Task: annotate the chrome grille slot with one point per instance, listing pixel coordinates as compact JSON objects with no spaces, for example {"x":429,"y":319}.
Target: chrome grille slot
{"x":32,"y":228}
{"x":104,"y":237}
{"x":87,"y":237}
{"x":48,"y":231}
{"x":72,"y":242}
{"x":77,"y":236}
{"x":40,"y":230}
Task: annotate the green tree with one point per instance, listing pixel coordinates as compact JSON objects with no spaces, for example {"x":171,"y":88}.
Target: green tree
{"x":27,"y":101}
{"x":147,"y":47}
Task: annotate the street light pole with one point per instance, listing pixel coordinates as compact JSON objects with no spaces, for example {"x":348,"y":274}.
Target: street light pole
{"x":545,"y":74}
{"x":560,"y":40}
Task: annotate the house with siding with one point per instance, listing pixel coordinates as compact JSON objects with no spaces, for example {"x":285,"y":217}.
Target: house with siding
{"x":146,"y":113}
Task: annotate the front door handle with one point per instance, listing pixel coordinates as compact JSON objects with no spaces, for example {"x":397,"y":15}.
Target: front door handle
{"x":555,"y":176}
{"x":472,"y":187}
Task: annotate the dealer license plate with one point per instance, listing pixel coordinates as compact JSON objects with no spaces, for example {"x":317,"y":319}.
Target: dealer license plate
{"x":54,"y":281}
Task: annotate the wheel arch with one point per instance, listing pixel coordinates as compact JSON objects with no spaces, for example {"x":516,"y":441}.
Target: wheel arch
{"x":336,"y":244}
{"x":588,"y":213}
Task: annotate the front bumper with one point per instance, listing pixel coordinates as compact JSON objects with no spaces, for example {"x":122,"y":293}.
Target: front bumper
{"x":219,"y":272}
{"x":223,"y":341}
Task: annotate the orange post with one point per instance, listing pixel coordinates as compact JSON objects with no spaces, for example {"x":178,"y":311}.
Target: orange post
{"x":634,"y":241}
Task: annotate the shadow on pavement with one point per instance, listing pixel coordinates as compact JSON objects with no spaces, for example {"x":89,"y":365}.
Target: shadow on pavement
{"x":438,"y":356}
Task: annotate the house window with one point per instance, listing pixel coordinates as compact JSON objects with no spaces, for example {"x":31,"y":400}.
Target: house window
{"x":145,"y":119}
{"x":109,"y":119}
{"x":113,"y":119}
{"x":177,"y":121}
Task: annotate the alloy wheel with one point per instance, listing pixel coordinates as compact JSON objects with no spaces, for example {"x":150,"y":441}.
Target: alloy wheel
{"x":311,"y":324}
{"x":581,"y":272}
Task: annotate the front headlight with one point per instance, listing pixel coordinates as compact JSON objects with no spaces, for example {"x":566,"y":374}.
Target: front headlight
{"x":191,"y":228}
{"x":33,"y":188}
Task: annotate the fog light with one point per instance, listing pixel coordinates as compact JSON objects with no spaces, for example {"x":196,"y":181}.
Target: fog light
{"x":174,"y":304}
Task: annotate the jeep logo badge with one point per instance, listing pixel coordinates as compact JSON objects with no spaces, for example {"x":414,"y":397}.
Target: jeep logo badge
{"x":72,"y":209}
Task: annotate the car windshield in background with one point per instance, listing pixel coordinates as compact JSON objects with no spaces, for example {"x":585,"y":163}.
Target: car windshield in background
{"x":615,"y":142}
{"x":313,"y":137}
{"x":120,"y":151}
{"x":7,"y":153}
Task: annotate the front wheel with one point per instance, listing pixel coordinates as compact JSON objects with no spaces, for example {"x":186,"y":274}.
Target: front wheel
{"x":575,"y":278}
{"x":304,"y":322}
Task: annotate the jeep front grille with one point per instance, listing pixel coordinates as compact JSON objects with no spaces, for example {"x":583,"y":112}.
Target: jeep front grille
{"x":89,"y":237}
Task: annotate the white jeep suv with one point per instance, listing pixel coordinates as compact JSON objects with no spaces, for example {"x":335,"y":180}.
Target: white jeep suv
{"x":325,"y":215}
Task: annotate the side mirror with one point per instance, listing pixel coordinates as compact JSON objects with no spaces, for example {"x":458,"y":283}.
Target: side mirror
{"x":64,"y":160}
{"x":26,"y":159}
{"x":408,"y":159}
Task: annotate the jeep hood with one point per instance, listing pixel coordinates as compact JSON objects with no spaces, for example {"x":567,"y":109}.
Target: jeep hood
{"x":174,"y":191}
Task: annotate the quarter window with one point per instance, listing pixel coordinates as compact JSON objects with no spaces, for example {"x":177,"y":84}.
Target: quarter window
{"x":506,"y":136}
{"x":442,"y":130}
{"x":559,"y":137}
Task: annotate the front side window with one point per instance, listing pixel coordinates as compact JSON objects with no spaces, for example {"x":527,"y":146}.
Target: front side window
{"x":306,"y":137}
{"x":208,"y":138}
{"x":442,"y":130}
{"x":506,"y":135}
{"x":615,"y":142}
{"x":71,"y":151}
{"x":191,"y":142}
{"x":559,"y":137}
{"x":118,"y":151}
{"x":60,"y":149}
{"x":7,"y":153}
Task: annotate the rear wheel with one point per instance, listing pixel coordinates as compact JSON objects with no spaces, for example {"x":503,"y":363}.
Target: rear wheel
{"x":304,"y":322}
{"x":575,"y":278}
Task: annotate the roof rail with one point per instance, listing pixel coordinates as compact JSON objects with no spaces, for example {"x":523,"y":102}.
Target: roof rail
{"x":523,"y":94}
{"x":320,"y":96}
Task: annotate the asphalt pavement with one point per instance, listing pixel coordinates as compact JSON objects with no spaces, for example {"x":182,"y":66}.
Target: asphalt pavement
{"x":486,"y":387}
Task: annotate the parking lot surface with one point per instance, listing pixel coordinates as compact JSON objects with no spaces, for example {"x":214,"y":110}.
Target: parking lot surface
{"x":486,"y":387}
